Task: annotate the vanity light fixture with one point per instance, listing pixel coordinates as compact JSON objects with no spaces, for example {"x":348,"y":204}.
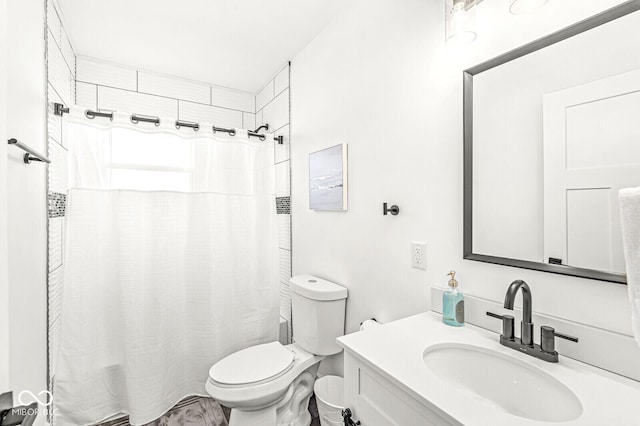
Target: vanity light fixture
{"x":523,"y":7}
{"x":460,"y":17}
{"x":460,"y":27}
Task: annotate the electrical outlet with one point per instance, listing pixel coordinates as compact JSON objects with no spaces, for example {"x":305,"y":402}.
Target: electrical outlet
{"x":419,"y":255}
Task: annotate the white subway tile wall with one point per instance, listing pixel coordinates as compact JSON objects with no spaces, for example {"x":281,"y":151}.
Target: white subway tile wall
{"x":276,"y":112}
{"x":272,"y":107}
{"x":55,"y":279}
{"x":136,"y":103}
{"x":55,"y":243}
{"x":233,"y":99}
{"x":173,"y":88}
{"x":59,"y":73}
{"x":283,"y":187}
{"x":249,"y":121}
{"x":284,"y":232}
{"x":58,"y":179}
{"x":285,"y":267}
{"x":281,"y":81}
{"x":285,"y":291}
{"x":61,"y":68}
{"x":105,"y":74}
{"x":282,"y":150}
{"x":259,"y":121}
{"x":53,"y":22}
{"x":265,"y":95}
{"x":221,"y":117}
{"x":87,"y":95}
{"x":54,"y":124}
{"x":67,"y":52}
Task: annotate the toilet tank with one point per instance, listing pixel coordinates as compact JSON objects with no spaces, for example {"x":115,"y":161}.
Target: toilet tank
{"x":318,"y":310}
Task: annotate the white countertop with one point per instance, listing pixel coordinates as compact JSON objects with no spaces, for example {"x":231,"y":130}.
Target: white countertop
{"x":395,"y":350}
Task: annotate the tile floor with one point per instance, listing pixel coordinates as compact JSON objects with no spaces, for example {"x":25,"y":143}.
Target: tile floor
{"x":197,"y":411}
{"x":192,"y":411}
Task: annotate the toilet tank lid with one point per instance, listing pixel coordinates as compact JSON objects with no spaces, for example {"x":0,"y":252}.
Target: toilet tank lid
{"x":316,"y":288}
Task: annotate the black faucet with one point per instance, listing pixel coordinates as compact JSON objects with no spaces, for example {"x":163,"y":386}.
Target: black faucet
{"x":526,"y":326}
{"x":546,"y":350}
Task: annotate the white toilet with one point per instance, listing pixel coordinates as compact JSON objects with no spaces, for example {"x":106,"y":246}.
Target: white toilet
{"x":270,"y":384}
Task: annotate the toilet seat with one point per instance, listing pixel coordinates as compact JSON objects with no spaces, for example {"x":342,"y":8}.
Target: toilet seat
{"x":253,"y":365}
{"x":261,"y":395}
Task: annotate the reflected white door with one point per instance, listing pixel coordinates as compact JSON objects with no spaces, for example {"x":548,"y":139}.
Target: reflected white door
{"x":591,"y":150}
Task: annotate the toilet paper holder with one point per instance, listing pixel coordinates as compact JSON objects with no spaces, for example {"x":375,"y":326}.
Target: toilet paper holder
{"x":368,"y":319}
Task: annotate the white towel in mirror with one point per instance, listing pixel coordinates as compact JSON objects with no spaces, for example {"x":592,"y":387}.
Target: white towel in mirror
{"x":630,"y":218}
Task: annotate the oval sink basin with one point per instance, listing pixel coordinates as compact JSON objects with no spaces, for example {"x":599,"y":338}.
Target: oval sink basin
{"x":503,"y":382}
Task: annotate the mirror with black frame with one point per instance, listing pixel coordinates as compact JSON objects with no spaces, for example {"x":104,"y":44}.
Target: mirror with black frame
{"x":551,"y":133}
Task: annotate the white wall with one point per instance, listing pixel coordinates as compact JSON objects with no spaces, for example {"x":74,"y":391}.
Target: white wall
{"x":26,"y":196}
{"x":4,"y":284}
{"x":380,"y":78}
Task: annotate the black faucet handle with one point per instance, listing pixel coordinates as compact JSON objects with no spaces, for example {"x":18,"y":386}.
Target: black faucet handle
{"x":491,"y":314}
{"x":507,"y":325}
{"x":547,"y":338}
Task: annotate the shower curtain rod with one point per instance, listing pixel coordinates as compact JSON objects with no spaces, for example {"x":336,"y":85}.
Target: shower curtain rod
{"x":60,"y":109}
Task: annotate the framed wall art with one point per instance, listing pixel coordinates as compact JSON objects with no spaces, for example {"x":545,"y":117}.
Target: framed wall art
{"x":328,"y":179}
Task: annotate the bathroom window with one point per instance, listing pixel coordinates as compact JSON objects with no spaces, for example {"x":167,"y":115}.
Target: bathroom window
{"x":150,"y":161}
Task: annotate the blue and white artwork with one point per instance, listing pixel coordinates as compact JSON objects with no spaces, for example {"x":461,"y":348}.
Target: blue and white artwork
{"x":328,"y":179}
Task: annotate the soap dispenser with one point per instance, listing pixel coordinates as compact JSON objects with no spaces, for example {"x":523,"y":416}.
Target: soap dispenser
{"x":453,"y":303}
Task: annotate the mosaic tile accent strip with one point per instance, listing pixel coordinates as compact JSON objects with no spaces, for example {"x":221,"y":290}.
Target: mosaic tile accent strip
{"x":57,"y":204}
{"x":283,"y":205}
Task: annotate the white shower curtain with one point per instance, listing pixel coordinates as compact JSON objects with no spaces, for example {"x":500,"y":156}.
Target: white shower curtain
{"x":171,"y":264}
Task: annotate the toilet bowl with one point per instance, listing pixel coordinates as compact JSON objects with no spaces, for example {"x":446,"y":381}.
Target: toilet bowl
{"x":265,"y":383}
{"x":271,"y":384}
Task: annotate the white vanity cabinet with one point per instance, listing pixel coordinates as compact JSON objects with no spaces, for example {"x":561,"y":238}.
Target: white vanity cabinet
{"x":417,"y":371}
{"x":376,"y":401}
